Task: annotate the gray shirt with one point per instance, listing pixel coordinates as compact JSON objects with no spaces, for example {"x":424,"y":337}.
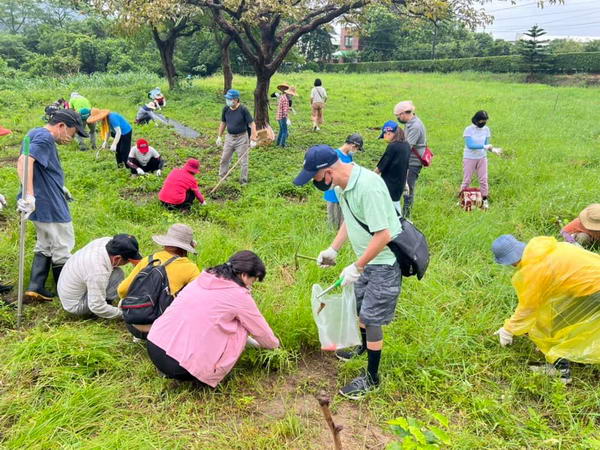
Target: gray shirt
{"x":416,"y":136}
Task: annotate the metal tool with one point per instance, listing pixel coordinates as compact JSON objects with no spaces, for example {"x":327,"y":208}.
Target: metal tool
{"x":338,"y":283}
{"x":298,"y":255}
{"x":22,"y":232}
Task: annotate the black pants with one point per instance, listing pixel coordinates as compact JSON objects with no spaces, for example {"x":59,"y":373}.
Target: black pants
{"x":135,"y":332}
{"x":187,"y":203}
{"x":153,"y":165}
{"x":123,"y":148}
{"x":166,"y":364}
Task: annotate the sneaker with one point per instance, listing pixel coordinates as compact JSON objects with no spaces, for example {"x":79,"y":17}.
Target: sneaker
{"x":564,"y":372}
{"x":359,"y":387}
{"x":348,"y":354}
{"x":137,"y":340}
{"x":485,"y":204}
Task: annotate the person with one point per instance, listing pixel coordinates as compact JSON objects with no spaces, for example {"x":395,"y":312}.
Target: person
{"x":4,"y":288}
{"x":88,"y":283}
{"x":585,"y":229}
{"x":45,"y":202}
{"x":208,"y":325}
{"x":157,"y":95}
{"x":376,"y":274}
{"x":83,"y":106}
{"x":477,"y":143}
{"x":118,"y":127}
{"x":318,"y":98}
{"x":416,"y":136}
{"x":146,"y":112}
{"x":180,"y":188}
{"x":178,"y":241}
{"x":393,"y":165}
{"x":49,"y":110}
{"x":558,"y":292}
{"x":236,"y":118}
{"x":353,"y":143}
{"x":144,"y":159}
{"x":283,"y":108}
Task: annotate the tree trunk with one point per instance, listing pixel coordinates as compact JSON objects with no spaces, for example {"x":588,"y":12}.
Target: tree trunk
{"x":167,"y":51}
{"x":261,"y":98}
{"x":226,"y":64}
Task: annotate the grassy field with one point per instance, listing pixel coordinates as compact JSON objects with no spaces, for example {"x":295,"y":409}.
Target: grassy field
{"x":73,"y":383}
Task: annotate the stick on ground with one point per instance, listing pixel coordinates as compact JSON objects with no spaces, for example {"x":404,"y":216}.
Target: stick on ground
{"x":324,"y":402}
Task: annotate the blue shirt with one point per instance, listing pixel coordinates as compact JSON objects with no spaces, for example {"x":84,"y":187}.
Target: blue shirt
{"x":117,"y":120}
{"x":48,"y":179}
{"x":330,"y":194}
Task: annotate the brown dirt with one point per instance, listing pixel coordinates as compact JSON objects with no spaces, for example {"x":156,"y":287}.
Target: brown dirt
{"x":136,"y":196}
{"x":9,"y":161}
{"x":224,"y":192}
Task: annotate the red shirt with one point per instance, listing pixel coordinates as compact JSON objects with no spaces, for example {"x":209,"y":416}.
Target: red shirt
{"x":283,"y":107}
{"x":176,"y":186}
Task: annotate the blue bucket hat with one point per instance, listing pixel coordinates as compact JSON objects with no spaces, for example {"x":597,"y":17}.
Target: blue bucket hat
{"x":232,"y":93}
{"x":316,"y":158}
{"x":508,"y":249}
{"x":389,"y":126}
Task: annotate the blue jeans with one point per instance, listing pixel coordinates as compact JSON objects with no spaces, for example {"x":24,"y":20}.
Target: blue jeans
{"x":283,"y":132}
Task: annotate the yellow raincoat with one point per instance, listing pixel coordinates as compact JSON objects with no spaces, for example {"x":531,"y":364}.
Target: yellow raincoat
{"x":558,"y":285}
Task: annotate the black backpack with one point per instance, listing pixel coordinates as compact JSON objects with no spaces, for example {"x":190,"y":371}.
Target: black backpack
{"x":149,"y":294}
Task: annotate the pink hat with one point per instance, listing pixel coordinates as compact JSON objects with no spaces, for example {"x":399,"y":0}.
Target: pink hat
{"x":192,"y":165}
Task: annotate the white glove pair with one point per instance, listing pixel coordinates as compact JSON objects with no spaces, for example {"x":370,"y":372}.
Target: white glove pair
{"x":26,"y":205}
{"x":327,"y":258}
{"x":2,"y":202}
{"x":219,"y":141}
{"x":505,"y":337}
{"x":140,"y":171}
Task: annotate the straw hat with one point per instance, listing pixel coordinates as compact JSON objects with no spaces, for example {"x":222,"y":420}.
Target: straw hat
{"x":97,"y":114}
{"x":590,"y":217}
{"x":292,"y":91}
{"x":283,"y":86}
{"x":178,"y":235}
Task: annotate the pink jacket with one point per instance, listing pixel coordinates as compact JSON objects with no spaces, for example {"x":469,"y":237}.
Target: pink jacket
{"x":206,"y":327}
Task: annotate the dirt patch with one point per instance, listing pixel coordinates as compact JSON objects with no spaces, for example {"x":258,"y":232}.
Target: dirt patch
{"x":9,"y":161}
{"x":136,"y":196}
{"x":224,"y":193}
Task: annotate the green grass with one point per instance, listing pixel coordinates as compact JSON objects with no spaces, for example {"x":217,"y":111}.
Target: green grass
{"x":72,"y":383}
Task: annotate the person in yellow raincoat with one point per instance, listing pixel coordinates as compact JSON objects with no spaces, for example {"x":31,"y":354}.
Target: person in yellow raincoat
{"x":558,"y":287}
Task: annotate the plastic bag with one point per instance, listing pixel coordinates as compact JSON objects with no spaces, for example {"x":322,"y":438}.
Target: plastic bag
{"x":337,"y":321}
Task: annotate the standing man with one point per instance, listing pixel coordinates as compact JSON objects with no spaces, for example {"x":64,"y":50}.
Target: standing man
{"x":364,"y":198}
{"x":46,"y":201}
{"x":83,"y":106}
{"x":353,"y":143}
{"x":238,"y":121}
{"x":416,"y":136}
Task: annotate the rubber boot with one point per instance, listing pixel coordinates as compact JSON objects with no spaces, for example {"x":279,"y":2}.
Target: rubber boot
{"x":5,"y":288}
{"x":56,"y":270}
{"x":40,"y":268}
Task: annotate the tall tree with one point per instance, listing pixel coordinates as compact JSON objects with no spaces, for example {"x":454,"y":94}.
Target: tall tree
{"x":17,"y":14}
{"x":317,"y":45}
{"x":534,"y":51}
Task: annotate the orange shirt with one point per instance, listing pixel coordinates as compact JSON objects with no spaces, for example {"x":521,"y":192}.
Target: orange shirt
{"x":577,"y":227}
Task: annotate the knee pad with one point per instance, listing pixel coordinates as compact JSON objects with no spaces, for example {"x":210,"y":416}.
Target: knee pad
{"x":374,"y":333}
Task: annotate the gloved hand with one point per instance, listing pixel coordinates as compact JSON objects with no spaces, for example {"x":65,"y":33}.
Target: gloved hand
{"x":251,"y":342}
{"x":2,"y":202}
{"x":487,"y":147}
{"x":252,"y":144}
{"x":327,"y":257}
{"x":289,"y":122}
{"x":219,"y":141}
{"x":505,"y":336}
{"x":103,"y":146}
{"x":113,"y":147}
{"x":350,"y":274}
{"x":140,"y":171}
{"x":497,"y":150}
{"x":158,"y":173}
{"x":26,"y":205}
{"x":68,"y":195}
{"x":203,"y":203}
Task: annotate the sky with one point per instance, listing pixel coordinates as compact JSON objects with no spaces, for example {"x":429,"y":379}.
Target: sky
{"x":573,"y":18}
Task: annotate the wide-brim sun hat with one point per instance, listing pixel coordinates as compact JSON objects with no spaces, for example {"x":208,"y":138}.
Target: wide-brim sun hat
{"x":292,"y":91}
{"x":97,"y":114}
{"x":590,"y":217}
{"x":508,"y":250}
{"x":283,"y":86}
{"x":178,"y":235}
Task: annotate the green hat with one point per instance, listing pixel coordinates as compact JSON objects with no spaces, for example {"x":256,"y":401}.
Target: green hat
{"x":85,"y":113}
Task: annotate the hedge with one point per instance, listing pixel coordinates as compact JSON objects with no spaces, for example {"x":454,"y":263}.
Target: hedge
{"x":562,"y":63}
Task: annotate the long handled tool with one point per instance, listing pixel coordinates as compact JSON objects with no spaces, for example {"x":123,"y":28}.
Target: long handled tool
{"x":22,"y":232}
{"x":230,"y":170}
{"x":299,"y":256}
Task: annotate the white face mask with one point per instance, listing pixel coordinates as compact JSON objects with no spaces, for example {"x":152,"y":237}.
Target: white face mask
{"x":229,"y":102}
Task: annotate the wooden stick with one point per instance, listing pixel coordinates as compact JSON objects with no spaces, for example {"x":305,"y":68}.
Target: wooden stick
{"x":324,"y":402}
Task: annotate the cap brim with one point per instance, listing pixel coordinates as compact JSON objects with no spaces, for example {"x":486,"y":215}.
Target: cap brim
{"x":81,"y":132}
{"x":135,"y":257}
{"x":304,"y":177}
{"x":381,"y":135}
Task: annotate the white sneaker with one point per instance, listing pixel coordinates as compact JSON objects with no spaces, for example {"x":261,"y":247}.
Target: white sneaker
{"x":485,"y":204}
{"x":137,"y":340}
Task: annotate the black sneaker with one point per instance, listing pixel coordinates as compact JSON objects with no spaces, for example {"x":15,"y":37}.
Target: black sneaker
{"x":560,"y":369}
{"x":348,"y":354}
{"x":359,"y":387}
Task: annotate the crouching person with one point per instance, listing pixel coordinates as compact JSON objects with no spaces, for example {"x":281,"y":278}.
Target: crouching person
{"x":144,"y":159}
{"x":206,"y":328}
{"x":180,"y":188}
{"x":584,"y":230}
{"x":88,"y":282}
{"x":179,"y":271}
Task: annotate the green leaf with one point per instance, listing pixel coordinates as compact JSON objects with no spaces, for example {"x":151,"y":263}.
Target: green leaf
{"x":417,"y":434}
{"x":440,"y":434}
{"x":443,"y":420}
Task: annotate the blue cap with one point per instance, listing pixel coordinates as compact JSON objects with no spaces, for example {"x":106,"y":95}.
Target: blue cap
{"x":316,"y":158}
{"x":390,"y":125}
{"x":508,"y":249}
{"x":232,"y":93}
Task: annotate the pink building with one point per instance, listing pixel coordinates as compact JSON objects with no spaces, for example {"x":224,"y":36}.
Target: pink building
{"x":349,"y":39}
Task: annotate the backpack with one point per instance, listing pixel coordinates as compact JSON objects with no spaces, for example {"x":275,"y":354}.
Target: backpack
{"x":149,"y":295}
{"x":470,"y":199}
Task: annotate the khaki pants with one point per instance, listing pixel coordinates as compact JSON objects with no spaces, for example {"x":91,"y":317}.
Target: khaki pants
{"x":55,"y":240}
{"x":317,"y":112}
{"x":240,"y":144}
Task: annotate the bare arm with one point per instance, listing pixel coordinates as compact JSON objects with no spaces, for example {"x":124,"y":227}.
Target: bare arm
{"x":340,"y":238}
{"x":253,"y":135}
{"x":20,"y":168}
{"x":378,"y":242}
{"x":221,"y":129}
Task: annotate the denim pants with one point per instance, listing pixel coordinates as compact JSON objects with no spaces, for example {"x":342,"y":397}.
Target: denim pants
{"x":283,"y":132}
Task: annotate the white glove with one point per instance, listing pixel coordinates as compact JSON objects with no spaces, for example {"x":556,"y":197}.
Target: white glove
{"x":506,"y":337}
{"x":203,"y":203}
{"x":26,"y":205}
{"x":251,"y":342}
{"x":103,"y":145}
{"x":289,"y":122}
{"x":68,"y":195}
{"x":140,"y":171}
{"x":497,"y":150}
{"x":2,"y":202}
{"x":327,"y":257}
{"x":252,"y":144}
{"x":487,"y":147}
{"x":350,"y":275}
{"x":113,"y":147}
{"x":158,"y":173}
{"x":219,"y":141}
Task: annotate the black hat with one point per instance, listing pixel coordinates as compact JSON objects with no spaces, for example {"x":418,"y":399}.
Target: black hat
{"x":124,"y":245}
{"x":355,"y":139}
{"x":70,"y":118}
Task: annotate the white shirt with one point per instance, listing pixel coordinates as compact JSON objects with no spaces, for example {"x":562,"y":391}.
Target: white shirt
{"x":318,"y":94}
{"x":143,"y":158}
{"x":479,"y":137}
{"x":85,"y":275}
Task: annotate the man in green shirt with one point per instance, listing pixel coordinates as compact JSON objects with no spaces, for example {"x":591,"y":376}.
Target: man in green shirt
{"x":83,"y":106}
{"x":376,"y":275}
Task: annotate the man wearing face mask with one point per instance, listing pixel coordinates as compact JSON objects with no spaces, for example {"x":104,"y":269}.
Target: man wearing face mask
{"x":88,"y":283}
{"x":46,"y":201}
{"x":416,"y":136}
{"x":238,"y":120}
{"x":364,"y":198}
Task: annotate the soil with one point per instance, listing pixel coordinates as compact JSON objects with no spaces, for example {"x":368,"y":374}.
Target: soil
{"x":9,"y":161}
{"x":225,"y":192}
{"x":136,"y":196}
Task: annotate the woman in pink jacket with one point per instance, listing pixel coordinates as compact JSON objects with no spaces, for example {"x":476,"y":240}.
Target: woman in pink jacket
{"x":206,"y":328}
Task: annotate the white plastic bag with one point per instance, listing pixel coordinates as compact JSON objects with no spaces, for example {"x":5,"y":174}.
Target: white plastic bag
{"x":337,"y":321}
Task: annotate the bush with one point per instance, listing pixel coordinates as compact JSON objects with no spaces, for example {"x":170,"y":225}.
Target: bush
{"x":57,"y":65}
